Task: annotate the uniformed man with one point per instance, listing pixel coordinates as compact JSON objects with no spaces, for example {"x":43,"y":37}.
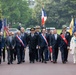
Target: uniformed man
{"x":37,"y":53}
{"x":32,"y":40}
{"x":43,"y":45}
{"x":65,"y":43}
{"x":10,"y":45}
{"x":24,"y":39}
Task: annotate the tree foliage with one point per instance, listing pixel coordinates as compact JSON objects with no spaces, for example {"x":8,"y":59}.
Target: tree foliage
{"x":59,"y":12}
{"x":16,"y":11}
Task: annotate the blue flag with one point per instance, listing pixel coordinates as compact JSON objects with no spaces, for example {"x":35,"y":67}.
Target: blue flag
{"x":74,"y":30}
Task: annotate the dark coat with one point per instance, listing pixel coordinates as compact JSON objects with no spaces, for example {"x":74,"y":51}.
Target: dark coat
{"x":18,"y":43}
{"x":37,"y":34}
{"x":32,"y":41}
{"x":25,"y":39}
{"x":42,"y":42}
{"x":55,"y":42}
{"x":1,"y":42}
{"x":10,"y":44}
{"x":68,"y":38}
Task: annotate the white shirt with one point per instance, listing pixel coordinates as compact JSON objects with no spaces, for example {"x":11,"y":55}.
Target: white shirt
{"x":55,"y":36}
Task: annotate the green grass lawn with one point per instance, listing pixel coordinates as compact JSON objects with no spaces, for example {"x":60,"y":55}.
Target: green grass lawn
{"x":59,"y":31}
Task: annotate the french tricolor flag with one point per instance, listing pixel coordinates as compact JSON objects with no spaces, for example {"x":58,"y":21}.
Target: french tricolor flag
{"x":43,"y":17}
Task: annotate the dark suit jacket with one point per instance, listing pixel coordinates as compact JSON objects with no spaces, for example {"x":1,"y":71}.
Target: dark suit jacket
{"x":10,"y":44}
{"x":25,"y":39}
{"x":55,"y":43}
{"x":37,"y":34}
{"x":32,"y":41}
{"x":1,"y":42}
{"x":42,"y":42}
{"x":68,"y":37}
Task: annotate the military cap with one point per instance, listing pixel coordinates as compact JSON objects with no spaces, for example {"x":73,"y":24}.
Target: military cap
{"x":37,"y":27}
{"x":32,"y":29}
{"x":64,"y":26}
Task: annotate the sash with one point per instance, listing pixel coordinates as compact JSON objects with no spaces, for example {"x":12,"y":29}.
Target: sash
{"x":65,"y":40}
{"x":44,"y":39}
{"x":20,"y":40}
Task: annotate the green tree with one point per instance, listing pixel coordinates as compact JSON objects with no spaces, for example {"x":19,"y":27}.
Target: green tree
{"x":16,"y":11}
{"x":59,"y":12}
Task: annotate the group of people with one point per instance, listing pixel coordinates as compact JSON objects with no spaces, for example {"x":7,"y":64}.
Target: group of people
{"x":43,"y":46}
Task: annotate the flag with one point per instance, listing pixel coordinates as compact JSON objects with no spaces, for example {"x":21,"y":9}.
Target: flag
{"x":43,"y":17}
{"x":71,"y":26}
{"x":0,"y":25}
{"x":74,"y":29}
{"x":5,"y":27}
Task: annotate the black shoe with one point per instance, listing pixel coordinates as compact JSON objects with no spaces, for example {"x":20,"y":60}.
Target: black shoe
{"x":23,"y":61}
{"x":33,"y":61}
{"x":64,"y":62}
{"x":45,"y":62}
{"x":54,"y":62}
{"x":39,"y":60}
{"x":18,"y":63}
{"x":8,"y":63}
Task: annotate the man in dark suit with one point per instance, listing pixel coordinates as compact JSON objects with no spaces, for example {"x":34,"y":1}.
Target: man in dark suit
{"x":24,"y":39}
{"x":14,"y":50}
{"x":1,"y":45}
{"x":32,"y":42}
{"x":50,"y":49}
{"x":43,"y":45}
{"x":55,"y":44}
{"x":10,"y":45}
{"x":65,"y":43}
{"x":19,"y":46}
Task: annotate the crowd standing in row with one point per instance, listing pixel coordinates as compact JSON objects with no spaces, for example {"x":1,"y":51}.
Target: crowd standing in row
{"x":42,"y":46}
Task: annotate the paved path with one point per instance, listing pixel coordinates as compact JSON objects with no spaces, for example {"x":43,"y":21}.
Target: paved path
{"x":39,"y":68}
